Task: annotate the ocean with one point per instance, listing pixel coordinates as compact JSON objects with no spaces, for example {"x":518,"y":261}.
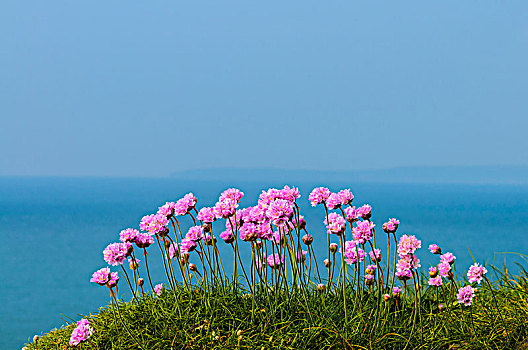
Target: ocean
{"x":54,"y":230}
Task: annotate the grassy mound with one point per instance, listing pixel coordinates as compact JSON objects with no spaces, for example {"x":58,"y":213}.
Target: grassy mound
{"x":223,"y":317}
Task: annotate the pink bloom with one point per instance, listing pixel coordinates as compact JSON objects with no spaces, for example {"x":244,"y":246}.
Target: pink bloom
{"x":257,"y":214}
{"x":351,"y":214}
{"x":266,"y":197}
{"x":154,"y":223}
{"x":185,"y":205}
{"x":114,"y":278}
{"x":301,"y":255}
{"x":345,"y":196}
{"x":231,"y":193}
{"x":447,"y":258}
{"x":101,"y":276}
{"x":115,"y":253}
{"x":403,"y":274}
{"x":158,"y":289}
{"x":319,"y":195}
{"x":375,"y":255}
{"x":435,"y":281}
{"x":396,"y":291}
{"x":207,"y":215}
{"x":363,"y":231}
{"x":391,"y":226}
{"x":465,"y":295}
{"x":167,"y":209}
{"x":352,"y":251}
{"x":433,"y":271}
{"x":443,"y":269}
{"x":173,"y":250}
{"x":275,"y":260}
{"x":302,"y":222}
{"x":365,"y":211}
{"x":226,"y":208}
{"x":476,"y":272}
{"x":280,"y":211}
{"x":227,"y":236}
{"x":335,"y":224}
{"x":333,"y":201}
{"x":408,"y":262}
{"x":195,"y":233}
{"x":249,"y":232}
{"x":187,"y":245}
{"x":433,"y":248}
{"x":128,"y":235}
{"x":371,"y":269}
{"x":408,"y":245}
{"x":369,"y":279}
{"x":81,"y":333}
{"x":289,"y":194}
{"x":143,"y":240}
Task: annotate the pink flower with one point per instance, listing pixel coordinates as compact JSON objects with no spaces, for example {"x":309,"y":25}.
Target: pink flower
{"x":257,"y":214}
{"x":227,"y":236}
{"x":275,"y":260}
{"x":154,"y":223}
{"x":101,"y":276}
{"x":476,"y":272}
{"x":289,"y":194}
{"x":128,"y":235}
{"x":173,"y":250}
{"x":403,"y":274}
{"x":351,"y":214}
{"x":195,"y":233}
{"x":363,"y":231}
{"x":302,"y":222}
{"x":81,"y":333}
{"x":114,"y":278}
{"x":187,"y":245}
{"x":443,"y":269}
{"x":185,"y":205}
{"x":408,"y":245}
{"x":319,"y":195}
{"x":280,"y":211}
{"x":369,"y":279}
{"x":225,"y":208}
{"x":465,"y":295}
{"x":301,"y":255}
{"x":249,"y":232}
{"x":345,"y":196}
{"x":115,"y":253}
{"x":391,"y":226}
{"x":158,"y":289}
{"x":433,"y":248}
{"x":207,"y":215}
{"x":448,"y":258}
{"x":435,"y":281}
{"x":365,"y":211}
{"x":143,"y":240}
{"x":266,"y":197}
{"x":408,"y":262}
{"x":375,"y":255}
{"x":352,"y":252}
{"x":167,"y":209}
{"x":433,"y":271}
{"x":231,"y":193}
{"x":396,"y":291}
{"x":333,"y":201}
{"x":335,"y":224}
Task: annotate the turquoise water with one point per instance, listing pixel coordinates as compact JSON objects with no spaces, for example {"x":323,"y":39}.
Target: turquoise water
{"x":54,"y":230}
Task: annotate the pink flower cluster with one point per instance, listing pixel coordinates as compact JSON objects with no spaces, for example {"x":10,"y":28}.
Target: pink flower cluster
{"x":167,"y":210}
{"x":207,"y":215}
{"x":351,"y":214}
{"x":154,"y":223}
{"x":391,"y":226}
{"x":81,"y":333}
{"x":319,"y":195}
{"x":158,"y":289}
{"x":365,"y":211}
{"x":115,"y":253}
{"x":465,"y":295}
{"x":335,"y":224}
{"x":353,"y":253}
{"x":408,"y":261}
{"x":275,"y":260}
{"x":363,"y":231}
{"x":101,"y":276}
{"x":184,"y":205}
{"x":339,"y":199}
{"x":476,"y":272}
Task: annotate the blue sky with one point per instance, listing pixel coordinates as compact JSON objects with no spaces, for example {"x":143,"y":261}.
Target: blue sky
{"x":135,"y":88}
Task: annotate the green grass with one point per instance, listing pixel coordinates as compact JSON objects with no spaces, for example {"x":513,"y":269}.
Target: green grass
{"x":223,"y":318}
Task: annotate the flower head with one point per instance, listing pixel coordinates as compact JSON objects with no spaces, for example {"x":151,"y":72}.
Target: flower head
{"x":476,"y":272}
{"x":185,"y":205}
{"x":319,"y":195}
{"x":153,"y":224}
{"x":335,"y":224}
{"x":158,"y":289}
{"x":275,"y":260}
{"x":363,"y":231}
{"x":231,"y":193}
{"x":444,"y":269}
{"x":128,"y":235}
{"x":353,"y":253}
{"x":114,"y":278}
{"x":227,"y":236}
{"x":101,"y":276}
{"x":81,"y":333}
{"x":195,"y":233}
{"x":375,"y":255}
{"x":435,"y":281}
{"x":143,"y":240}
{"x":167,"y":209}
{"x":280,"y":211}
{"x":365,"y":211}
{"x":391,"y":226}
{"x":225,"y":208}
{"x":465,"y":295}
{"x":448,"y":258}
{"x":207,"y":215}
{"x":433,"y":248}
{"x":351,"y":214}
{"x":408,"y":245}
{"x":115,"y":253}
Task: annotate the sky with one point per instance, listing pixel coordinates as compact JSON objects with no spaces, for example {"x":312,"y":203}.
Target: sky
{"x":136,"y":88}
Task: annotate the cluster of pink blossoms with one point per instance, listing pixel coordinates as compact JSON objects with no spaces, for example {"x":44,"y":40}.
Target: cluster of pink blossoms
{"x":408,"y":261}
{"x":353,"y":253}
{"x":101,"y":276}
{"x":319,"y":195}
{"x":275,"y":260}
{"x":391,"y":226}
{"x":82,"y":332}
{"x":184,"y":205}
{"x":476,"y":272}
{"x":335,"y":224}
{"x":339,"y":199}
{"x":154,"y":223}
{"x":115,"y":253}
{"x":167,"y":210}
{"x":158,"y":289}
{"x":465,"y":295}
{"x":363,"y":231}
{"x":364,"y":212}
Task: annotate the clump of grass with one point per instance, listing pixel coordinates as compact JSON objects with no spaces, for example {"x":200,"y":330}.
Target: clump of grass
{"x":283,"y":299}
{"x":220,"y":318}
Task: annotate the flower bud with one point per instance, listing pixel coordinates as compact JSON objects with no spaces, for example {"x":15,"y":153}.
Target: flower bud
{"x":450,"y":275}
{"x":35,"y":339}
{"x":386,"y":297}
{"x":141,"y":282}
{"x":321,"y":287}
{"x":333,"y":247}
{"x":327,"y":263}
{"x":133,"y":265}
{"x":163,"y":232}
{"x":166,"y":243}
{"x":307,"y":239}
{"x":441,"y":307}
{"x":369,"y":280}
{"x":433,"y":273}
{"x":185,"y":257}
{"x":207,"y":227}
{"x":193,"y":267}
{"x":239,"y":332}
